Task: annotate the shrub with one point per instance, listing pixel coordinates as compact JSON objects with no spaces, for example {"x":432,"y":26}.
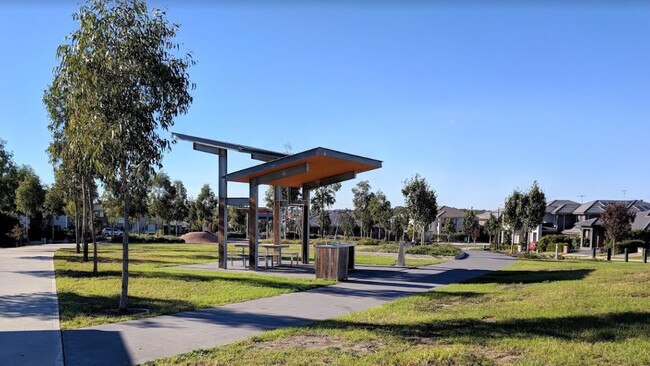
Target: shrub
{"x":631,"y":245}
{"x":145,"y":238}
{"x":547,"y":243}
{"x":435,"y":249}
{"x":366,"y":241}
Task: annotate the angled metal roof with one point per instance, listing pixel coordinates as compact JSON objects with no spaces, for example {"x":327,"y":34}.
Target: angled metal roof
{"x":314,"y":168}
{"x":642,"y":221}
{"x":256,"y":153}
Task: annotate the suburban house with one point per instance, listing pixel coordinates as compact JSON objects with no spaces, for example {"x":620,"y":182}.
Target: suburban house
{"x":589,"y":225}
{"x":447,"y":212}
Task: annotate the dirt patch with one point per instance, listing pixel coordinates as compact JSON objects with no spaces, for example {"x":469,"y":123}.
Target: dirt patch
{"x":199,"y":237}
{"x":499,"y":356}
{"x":320,"y":342}
{"x":129,"y":311}
{"x":488,"y":319}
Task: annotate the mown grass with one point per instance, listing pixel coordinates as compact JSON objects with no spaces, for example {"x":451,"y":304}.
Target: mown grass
{"x":532,"y":313}
{"x":86,"y":300}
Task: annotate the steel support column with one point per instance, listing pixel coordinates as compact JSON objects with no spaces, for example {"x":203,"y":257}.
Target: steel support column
{"x":277,"y":197}
{"x":305,"y":225}
{"x":222,"y":235}
{"x":252,"y":226}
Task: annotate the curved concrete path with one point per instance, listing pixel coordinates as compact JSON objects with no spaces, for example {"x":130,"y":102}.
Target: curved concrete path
{"x":29,"y":310}
{"x":137,"y":341}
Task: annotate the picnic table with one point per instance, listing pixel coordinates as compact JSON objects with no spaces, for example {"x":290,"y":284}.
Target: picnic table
{"x":275,"y":246}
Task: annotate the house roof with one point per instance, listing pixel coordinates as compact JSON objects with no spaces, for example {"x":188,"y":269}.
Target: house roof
{"x":597,"y":207}
{"x":315,"y":167}
{"x":445,"y":212}
{"x":589,"y":223}
{"x":486,"y":215}
{"x":561,"y":207}
{"x":642,"y":221}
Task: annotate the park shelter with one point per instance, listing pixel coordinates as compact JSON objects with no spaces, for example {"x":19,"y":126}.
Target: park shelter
{"x":306,"y":170}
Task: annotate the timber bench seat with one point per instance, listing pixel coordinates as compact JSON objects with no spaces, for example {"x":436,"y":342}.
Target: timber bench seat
{"x":292,"y":256}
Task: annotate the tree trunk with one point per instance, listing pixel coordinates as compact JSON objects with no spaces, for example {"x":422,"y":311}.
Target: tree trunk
{"x":76,"y":225}
{"x":84,"y":221}
{"x":92,"y":232}
{"x":125,"y":243}
{"x":423,"y":230}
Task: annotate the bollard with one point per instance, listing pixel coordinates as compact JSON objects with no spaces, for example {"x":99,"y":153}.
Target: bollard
{"x":556,"y":248}
{"x":626,"y":255}
{"x":609,"y":254}
{"x":645,"y":254}
{"x":401,"y":260}
{"x":593,"y":253}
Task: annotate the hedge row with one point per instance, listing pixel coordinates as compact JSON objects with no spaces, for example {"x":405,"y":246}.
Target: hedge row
{"x":435,"y":249}
{"x":145,"y":238}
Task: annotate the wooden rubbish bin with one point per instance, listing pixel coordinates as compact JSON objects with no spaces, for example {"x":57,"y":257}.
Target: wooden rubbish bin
{"x":333,"y":261}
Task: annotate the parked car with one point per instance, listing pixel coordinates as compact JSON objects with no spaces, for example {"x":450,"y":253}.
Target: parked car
{"x":107,"y":231}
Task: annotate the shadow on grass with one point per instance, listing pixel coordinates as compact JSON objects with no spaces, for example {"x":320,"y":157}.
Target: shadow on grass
{"x":275,"y":282}
{"x":516,"y":277}
{"x":613,"y":327}
{"x":73,"y":304}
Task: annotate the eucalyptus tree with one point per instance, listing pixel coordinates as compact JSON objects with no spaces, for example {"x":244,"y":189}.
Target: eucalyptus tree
{"x":512,"y":212}
{"x":9,"y":180}
{"x":533,"y":210}
{"x":30,"y":196}
{"x":324,"y":197}
{"x":421,"y":202}
{"x":161,"y":198}
{"x":380,"y":211}
{"x":205,"y":207}
{"x":399,"y":222}
{"x":54,"y":203}
{"x":361,"y":200}
{"x":179,"y":204}
{"x":347,"y":224}
{"x":449,"y":227}
{"x":492,"y":226}
{"x":470,"y":225}
{"x":122,"y":82}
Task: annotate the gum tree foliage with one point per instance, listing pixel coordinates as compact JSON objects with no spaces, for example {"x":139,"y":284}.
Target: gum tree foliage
{"x":449,"y":227}
{"x":347,"y":224}
{"x":119,"y":83}
{"x":236,"y":219}
{"x":9,"y":180}
{"x":492,"y":226}
{"x":470,"y":225}
{"x":112,"y":207}
{"x":54,"y":203}
{"x":161,"y":197}
{"x":361,"y":200}
{"x":399,"y":222}
{"x":512,"y":211}
{"x":179,"y":205}
{"x":421,"y":202}
{"x":30,"y":196}
{"x":534,"y":209}
{"x":617,"y":220}
{"x":324,"y":197}
{"x":380,"y":211}
{"x":205,"y":207}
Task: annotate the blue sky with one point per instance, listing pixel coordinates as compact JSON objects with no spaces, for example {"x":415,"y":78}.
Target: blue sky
{"x":477,"y":99}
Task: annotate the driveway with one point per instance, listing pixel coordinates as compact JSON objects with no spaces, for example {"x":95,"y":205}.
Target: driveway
{"x":29,"y":310}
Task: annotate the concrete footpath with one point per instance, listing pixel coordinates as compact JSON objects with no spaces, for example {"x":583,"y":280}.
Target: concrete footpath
{"x":137,"y":341}
{"x":29,"y":310}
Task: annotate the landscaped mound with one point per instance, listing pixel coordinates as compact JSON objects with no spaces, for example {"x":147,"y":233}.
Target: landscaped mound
{"x":199,"y":237}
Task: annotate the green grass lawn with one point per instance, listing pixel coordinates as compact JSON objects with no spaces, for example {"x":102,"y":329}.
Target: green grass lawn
{"x":532,"y":313}
{"x":87,"y":300}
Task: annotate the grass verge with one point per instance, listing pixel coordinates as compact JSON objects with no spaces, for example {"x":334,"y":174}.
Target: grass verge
{"x":86,"y":300}
{"x":533,"y":313}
